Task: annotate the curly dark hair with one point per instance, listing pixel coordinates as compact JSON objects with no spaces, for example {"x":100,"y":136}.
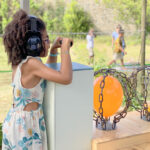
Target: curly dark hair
{"x":14,"y":36}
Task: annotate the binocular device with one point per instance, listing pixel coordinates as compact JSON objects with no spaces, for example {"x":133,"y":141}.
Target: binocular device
{"x":71,"y":43}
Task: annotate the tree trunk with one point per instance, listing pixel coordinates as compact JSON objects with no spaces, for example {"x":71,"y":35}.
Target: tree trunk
{"x":143,"y":41}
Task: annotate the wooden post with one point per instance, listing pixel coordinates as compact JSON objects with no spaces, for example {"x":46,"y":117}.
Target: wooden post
{"x":24,"y":4}
{"x":143,"y":32}
{"x":143,"y":41}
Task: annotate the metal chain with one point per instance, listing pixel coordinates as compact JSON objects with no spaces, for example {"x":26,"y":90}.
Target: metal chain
{"x":129,"y":85}
{"x":127,"y":92}
{"x":102,"y":85}
{"x":143,"y":103}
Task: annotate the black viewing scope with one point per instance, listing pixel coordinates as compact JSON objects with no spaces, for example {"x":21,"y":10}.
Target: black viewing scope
{"x":71,"y":43}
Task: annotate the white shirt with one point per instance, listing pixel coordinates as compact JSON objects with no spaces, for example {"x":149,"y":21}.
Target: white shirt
{"x":90,"y":41}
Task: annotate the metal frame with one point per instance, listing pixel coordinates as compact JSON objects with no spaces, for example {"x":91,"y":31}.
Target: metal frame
{"x":127,"y":89}
{"x":143,"y":110}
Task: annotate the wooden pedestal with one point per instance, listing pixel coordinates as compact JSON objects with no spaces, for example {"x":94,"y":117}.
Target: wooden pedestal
{"x":131,"y":133}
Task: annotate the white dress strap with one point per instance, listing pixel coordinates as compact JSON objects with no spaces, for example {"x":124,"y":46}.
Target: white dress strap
{"x":18,"y":71}
{"x":24,"y":61}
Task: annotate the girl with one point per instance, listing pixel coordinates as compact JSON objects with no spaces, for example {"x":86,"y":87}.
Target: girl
{"x":24,"y":126}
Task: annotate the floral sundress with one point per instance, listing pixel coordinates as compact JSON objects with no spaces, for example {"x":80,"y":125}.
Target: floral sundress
{"x":24,"y":130}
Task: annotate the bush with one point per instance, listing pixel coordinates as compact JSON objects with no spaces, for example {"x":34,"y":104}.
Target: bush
{"x":76,"y":19}
{"x":7,"y":9}
{"x":53,"y":17}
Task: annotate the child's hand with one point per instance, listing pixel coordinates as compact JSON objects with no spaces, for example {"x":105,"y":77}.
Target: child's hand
{"x":125,"y":53}
{"x":66,"y":44}
{"x":56,"y":43}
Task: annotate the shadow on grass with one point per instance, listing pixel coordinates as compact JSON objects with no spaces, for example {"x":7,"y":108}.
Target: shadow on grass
{"x":0,"y":136}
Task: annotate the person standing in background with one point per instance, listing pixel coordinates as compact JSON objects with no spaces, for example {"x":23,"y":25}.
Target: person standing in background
{"x":90,"y":45}
{"x":118,"y":49}
{"x":115,"y":35}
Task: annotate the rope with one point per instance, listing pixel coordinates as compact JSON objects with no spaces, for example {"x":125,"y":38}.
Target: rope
{"x":128,"y":65}
{"x":5,"y":71}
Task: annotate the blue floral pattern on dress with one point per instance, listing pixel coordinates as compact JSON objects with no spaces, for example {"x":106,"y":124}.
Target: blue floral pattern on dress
{"x":8,"y":144}
{"x":27,"y":142}
{"x":20,"y":121}
{"x":43,"y":85}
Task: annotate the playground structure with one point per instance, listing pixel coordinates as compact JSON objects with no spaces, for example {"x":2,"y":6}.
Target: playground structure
{"x":130,"y":91}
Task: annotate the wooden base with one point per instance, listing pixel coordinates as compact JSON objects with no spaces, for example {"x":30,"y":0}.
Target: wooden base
{"x":132,"y":133}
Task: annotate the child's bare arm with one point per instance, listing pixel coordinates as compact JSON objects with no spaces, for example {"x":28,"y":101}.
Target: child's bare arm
{"x":54,"y":51}
{"x":64,"y":76}
{"x":52,"y":59}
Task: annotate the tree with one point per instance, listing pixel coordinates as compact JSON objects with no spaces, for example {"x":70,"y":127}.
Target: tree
{"x":143,"y":39}
{"x":129,"y":11}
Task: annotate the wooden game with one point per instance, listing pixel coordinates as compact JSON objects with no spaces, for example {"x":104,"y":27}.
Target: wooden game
{"x":132,"y":133}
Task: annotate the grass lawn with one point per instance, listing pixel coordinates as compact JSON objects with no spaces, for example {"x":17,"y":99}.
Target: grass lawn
{"x":79,"y":53}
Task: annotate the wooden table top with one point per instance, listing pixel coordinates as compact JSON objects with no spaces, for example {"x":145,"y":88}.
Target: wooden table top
{"x":131,"y":125}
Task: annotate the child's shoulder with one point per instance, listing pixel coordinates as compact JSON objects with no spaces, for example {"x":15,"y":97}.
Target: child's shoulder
{"x":32,"y":61}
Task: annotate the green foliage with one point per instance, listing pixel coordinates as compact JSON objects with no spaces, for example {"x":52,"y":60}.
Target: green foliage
{"x":129,"y":11}
{"x":76,"y":19}
{"x":36,"y":7}
{"x":48,"y":17}
{"x":7,"y":9}
{"x":59,"y":14}
{"x":56,"y":19}
{"x":53,"y":17}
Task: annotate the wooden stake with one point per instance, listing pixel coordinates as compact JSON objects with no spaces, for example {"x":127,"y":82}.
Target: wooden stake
{"x":24,"y":4}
